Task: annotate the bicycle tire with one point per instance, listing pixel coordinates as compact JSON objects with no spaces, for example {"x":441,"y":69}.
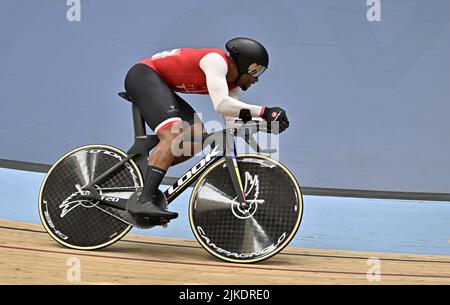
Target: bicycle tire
{"x":233,"y":235}
{"x":85,"y":225}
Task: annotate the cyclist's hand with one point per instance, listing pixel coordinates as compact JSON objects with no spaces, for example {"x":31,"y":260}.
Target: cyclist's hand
{"x":276,"y":114}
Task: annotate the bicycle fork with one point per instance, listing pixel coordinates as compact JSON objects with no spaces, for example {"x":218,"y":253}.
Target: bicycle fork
{"x":233,"y":168}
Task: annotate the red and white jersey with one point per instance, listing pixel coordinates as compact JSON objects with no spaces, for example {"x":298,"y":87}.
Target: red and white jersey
{"x":180,"y":69}
{"x":201,"y":71}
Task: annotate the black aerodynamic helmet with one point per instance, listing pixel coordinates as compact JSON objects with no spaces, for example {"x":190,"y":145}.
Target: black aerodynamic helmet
{"x":250,"y":56}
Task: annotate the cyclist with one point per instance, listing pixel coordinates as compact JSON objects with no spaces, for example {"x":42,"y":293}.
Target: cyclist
{"x":152,"y":84}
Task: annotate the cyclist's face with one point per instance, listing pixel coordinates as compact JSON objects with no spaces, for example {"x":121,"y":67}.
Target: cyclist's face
{"x":246,"y":81}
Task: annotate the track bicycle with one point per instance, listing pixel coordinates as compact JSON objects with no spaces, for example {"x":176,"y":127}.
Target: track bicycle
{"x":244,"y":208}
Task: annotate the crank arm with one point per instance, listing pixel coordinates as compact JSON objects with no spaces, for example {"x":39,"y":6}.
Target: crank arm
{"x":115,"y":202}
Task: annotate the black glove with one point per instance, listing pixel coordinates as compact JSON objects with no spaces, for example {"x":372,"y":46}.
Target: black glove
{"x":275,"y":114}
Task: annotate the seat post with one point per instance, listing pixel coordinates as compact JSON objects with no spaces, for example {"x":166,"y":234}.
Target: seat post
{"x":138,"y":122}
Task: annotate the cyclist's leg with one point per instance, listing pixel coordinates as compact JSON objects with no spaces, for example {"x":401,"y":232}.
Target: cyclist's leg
{"x":190,"y":142}
{"x":160,"y":110}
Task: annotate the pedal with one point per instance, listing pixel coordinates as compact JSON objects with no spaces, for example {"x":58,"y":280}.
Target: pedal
{"x":163,"y":222}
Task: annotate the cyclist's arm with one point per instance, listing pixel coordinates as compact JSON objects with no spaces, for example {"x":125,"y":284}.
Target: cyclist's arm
{"x":215,"y":69}
{"x":230,"y":120}
{"x":234,"y":93}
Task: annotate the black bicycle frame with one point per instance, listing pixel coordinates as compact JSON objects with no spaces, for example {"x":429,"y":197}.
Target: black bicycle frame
{"x":221,"y":143}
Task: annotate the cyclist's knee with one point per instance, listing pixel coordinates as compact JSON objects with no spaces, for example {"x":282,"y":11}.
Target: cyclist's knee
{"x":198,"y":128}
{"x":169,"y":134}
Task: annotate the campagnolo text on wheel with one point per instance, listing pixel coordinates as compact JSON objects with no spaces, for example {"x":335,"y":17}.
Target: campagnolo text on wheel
{"x":243,"y":208}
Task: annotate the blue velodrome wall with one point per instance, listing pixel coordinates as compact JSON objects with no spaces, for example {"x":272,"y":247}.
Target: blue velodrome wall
{"x":368,"y":101}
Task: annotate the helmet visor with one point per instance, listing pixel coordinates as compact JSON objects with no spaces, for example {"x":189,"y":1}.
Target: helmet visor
{"x":258,"y":73}
{"x":256,"y":70}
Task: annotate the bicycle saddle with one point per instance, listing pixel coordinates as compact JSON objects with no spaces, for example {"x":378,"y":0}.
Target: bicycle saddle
{"x":125,"y":96}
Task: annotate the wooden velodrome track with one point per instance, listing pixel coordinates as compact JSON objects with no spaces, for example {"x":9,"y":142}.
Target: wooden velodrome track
{"x":28,"y":255}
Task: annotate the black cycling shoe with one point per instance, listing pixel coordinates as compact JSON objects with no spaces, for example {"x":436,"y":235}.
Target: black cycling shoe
{"x":154,"y":208}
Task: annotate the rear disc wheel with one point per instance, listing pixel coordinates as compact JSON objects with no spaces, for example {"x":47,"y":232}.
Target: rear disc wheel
{"x":86,"y":224}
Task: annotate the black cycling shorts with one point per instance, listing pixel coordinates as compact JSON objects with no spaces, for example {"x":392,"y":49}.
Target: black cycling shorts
{"x":159,"y":105}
